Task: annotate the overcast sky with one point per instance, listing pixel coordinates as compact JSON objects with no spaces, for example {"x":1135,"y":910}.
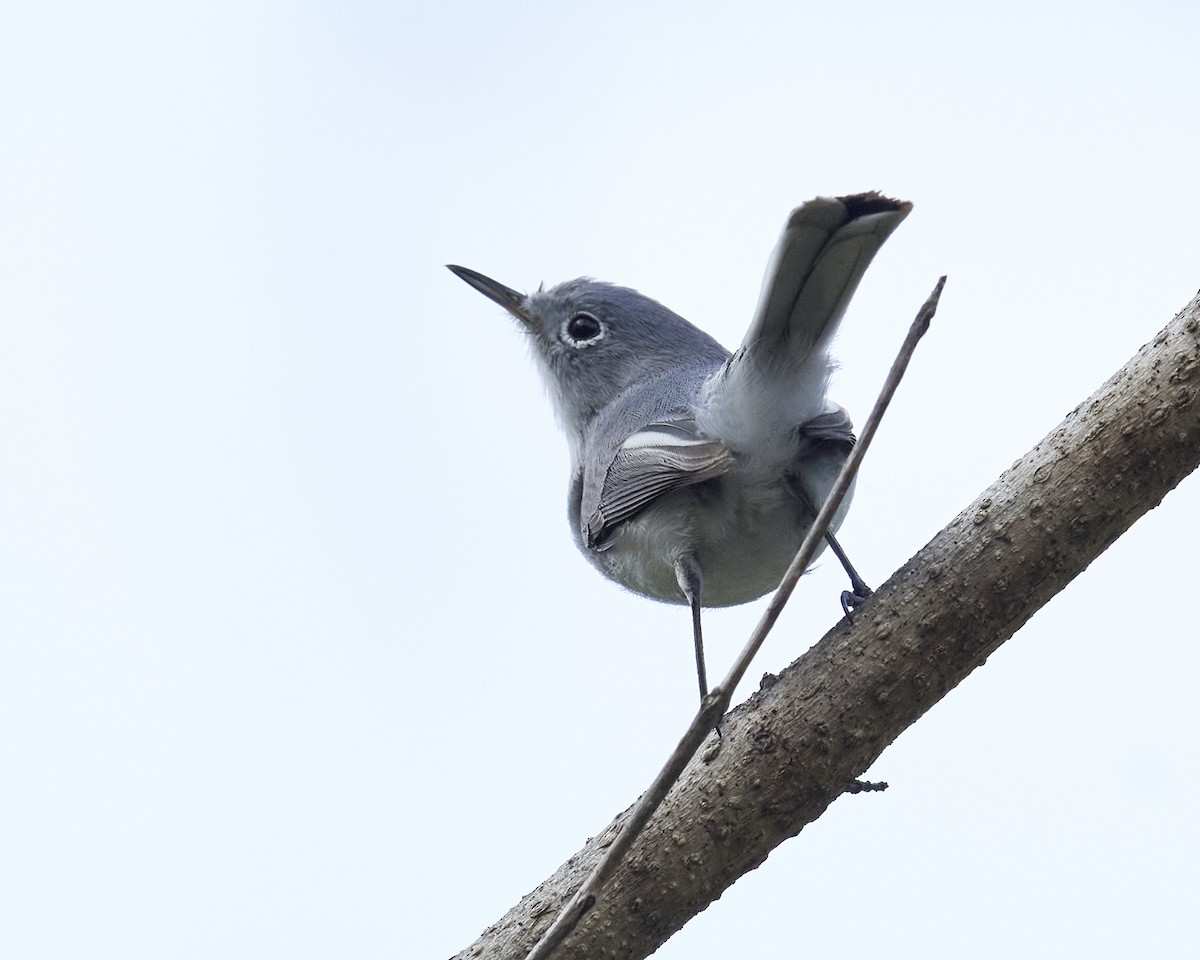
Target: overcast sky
{"x":297,"y":659}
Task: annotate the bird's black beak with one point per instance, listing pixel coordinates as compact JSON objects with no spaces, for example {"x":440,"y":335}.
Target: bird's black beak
{"x":508,"y":298}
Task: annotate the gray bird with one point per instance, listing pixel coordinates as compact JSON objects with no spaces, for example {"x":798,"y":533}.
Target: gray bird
{"x":695,"y":474}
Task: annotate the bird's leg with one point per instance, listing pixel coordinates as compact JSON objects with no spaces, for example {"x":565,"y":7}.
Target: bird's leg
{"x":688,"y":574}
{"x":859,"y":591}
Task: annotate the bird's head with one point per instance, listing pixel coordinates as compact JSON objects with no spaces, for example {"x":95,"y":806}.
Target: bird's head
{"x":596,"y":340}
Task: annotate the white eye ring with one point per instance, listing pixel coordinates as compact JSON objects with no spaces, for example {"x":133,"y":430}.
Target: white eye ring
{"x":582,"y":330}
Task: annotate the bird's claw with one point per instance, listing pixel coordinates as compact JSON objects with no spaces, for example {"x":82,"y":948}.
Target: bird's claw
{"x":853,"y":599}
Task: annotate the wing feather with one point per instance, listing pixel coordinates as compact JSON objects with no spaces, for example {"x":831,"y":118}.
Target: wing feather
{"x":652,"y":462}
{"x":832,"y":425}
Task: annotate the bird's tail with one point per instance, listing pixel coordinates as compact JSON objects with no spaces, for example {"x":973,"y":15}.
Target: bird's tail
{"x":777,"y":378}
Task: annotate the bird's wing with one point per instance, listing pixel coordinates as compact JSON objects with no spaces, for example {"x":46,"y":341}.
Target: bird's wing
{"x":655,"y":460}
{"x":834,"y":425}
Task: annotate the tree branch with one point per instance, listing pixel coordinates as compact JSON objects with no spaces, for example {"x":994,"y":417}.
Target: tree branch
{"x":804,"y":737}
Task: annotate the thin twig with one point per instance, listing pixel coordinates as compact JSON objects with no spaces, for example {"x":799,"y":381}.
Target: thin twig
{"x":714,"y":705}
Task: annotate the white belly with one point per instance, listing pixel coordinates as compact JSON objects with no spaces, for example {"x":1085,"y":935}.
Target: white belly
{"x":743,"y":535}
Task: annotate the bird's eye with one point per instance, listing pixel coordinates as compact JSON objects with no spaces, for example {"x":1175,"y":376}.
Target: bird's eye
{"x":583,"y":329}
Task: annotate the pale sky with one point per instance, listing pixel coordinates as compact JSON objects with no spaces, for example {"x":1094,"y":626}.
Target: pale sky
{"x":297,"y":658}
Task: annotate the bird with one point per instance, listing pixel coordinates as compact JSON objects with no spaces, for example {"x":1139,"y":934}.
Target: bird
{"x":696,"y":472}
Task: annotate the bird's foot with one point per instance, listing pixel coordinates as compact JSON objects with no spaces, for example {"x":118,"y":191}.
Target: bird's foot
{"x":853,"y":599}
